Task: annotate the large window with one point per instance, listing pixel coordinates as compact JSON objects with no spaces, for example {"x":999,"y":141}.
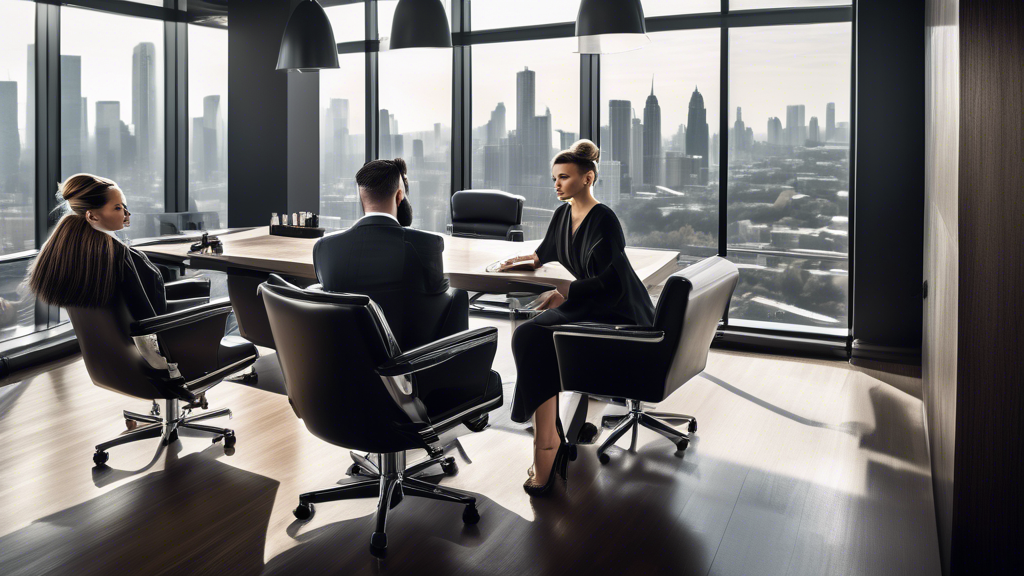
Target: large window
{"x":659,"y":141}
{"x":751,"y":4}
{"x":112,"y":106}
{"x":208,"y":125}
{"x":525,"y":108}
{"x":789,"y":174}
{"x":17,"y":127}
{"x":342,"y":140}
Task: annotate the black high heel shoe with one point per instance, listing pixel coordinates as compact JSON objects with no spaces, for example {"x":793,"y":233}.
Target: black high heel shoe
{"x":560,"y":467}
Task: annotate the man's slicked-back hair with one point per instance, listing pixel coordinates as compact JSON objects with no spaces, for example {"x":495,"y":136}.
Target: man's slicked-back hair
{"x":379,"y":179}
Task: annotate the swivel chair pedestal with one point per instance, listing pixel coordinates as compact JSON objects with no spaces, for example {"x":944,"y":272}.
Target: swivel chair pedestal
{"x":651,"y":420}
{"x":167,"y":427}
{"x":390,"y":481}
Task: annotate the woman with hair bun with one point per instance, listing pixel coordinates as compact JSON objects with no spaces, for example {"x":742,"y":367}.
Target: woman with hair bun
{"x":82,"y":264}
{"x":585,"y":237}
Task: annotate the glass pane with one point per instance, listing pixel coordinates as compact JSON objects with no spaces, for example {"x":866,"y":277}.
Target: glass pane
{"x":750,"y":4}
{"x":17,"y":304}
{"x":208,"y":127}
{"x":386,"y":14}
{"x":659,"y":141}
{"x":789,"y":185}
{"x":526,"y":107}
{"x":672,"y":7}
{"x":111,"y":107}
{"x":17,"y":126}
{"x":490,"y":14}
{"x":799,"y":294}
{"x":348,"y":22}
{"x":414,"y":119}
{"x":342,"y":140}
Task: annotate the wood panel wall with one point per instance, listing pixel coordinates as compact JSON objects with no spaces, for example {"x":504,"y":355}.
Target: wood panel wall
{"x":988,"y":501}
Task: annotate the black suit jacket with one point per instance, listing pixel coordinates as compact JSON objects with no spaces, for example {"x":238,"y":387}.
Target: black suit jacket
{"x":401,"y":269}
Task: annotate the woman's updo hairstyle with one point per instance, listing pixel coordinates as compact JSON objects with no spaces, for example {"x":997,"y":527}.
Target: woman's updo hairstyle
{"x":83,"y":192}
{"x":583,"y":153}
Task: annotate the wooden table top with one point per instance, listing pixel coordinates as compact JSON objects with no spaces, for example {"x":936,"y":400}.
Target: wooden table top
{"x":465,"y":259}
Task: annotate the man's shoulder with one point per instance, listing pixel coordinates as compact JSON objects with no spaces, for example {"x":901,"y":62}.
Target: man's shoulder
{"x":422,"y":239}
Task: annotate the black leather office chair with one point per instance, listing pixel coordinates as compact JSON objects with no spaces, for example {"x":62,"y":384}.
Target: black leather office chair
{"x":490,"y":214}
{"x":352,"y":386}
{"x":193,"y":339}
{"x":187,"y":293}
{"x":649,"y":363}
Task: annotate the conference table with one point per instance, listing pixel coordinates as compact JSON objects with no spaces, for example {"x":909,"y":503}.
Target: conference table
{"x":465,"y":262}
{"x":465,"y":259}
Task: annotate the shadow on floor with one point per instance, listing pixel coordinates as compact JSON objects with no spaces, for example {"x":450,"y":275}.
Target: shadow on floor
{"x":199,"y":516}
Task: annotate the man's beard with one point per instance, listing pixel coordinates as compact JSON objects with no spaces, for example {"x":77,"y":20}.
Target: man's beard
{"x":405,"y":213}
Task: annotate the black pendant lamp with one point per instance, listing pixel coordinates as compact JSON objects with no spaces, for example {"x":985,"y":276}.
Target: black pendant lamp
{"x":308,"y":43}
{"x":609,"y":26}
{"x":420,"y":24}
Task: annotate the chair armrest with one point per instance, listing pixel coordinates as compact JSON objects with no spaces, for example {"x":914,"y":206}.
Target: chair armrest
{"x":182,"y":318}
{"x":195,"y":287}
{"x":612,"y":331}
{"x":515,"y":234}
{"x":438,"y":352}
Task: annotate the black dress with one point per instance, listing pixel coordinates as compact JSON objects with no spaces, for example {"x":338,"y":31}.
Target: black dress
{"x":606,"y":290}
{"x":140,"y":283}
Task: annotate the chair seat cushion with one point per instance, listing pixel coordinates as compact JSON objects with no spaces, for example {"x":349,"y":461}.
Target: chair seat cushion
{"x":490,"y":230}
{"x":235,"y":349}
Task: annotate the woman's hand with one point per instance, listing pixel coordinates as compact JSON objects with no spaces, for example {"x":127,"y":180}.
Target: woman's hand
{"x":550,"y":299}
{"x":527,"y":262}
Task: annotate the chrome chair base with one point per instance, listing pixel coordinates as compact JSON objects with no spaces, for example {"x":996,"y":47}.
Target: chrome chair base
{"x":166,"y":427}
{"x":389,"y":480}
{"x":636,"y":417}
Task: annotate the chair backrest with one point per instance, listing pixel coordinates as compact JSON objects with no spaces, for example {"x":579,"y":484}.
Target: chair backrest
{"x":692,"y":303}
{"x":329,"y":346}
{"x":248,"y":306}
{"x":110,"y":354}
{"x":486,"y":213}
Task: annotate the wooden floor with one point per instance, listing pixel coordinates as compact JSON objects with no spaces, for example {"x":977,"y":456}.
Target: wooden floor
{"x":798,"y":467}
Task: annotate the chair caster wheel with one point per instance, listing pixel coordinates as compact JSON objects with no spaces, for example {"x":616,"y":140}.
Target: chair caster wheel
{"x":478,"y":424}
{"x":229,"y":440}
{"x":682,"y":445}
{"x":693,"y":426}
{"x":304,"y":511}
{"x":470,"y":514}
{"x":603,"y":458}
{"x":229,"y":450}
{"x":130,"y":424}
{"x":354,"y":470}
{"x":379,"y":544}
{"x":100,"y":458}
{"x":587,"y":434}
{"x":449,"y":467}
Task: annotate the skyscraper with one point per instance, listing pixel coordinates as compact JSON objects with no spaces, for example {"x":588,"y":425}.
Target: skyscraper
{"x":652,"y":139}
{"x":774,"y":130}
{"x":214,"y":140}
{"x":30,"y":84}
{"x":566,"y":139}
{"x":812,"y":130}
{"x":697,"y":132}
{"x":739,"y":133}
{"x":108,"y":138}
{"x":608,"y":182}
{"x":617,"y":147}
{"x":71,"y":127}
{"x":10,"y":142}
{"x":796,"y":130}
{"x":336,"y":140}
{"x":830,"y":121}
{"x":526,"y":102}
{"x":496,"y":125}
{"x":384,"y":135}
{"x":636,"y":156}
{"x":417,"y":151}
{"x":144,"y":107}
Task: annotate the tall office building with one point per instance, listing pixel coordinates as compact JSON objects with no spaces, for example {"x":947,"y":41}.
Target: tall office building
{"x":608,"y":187}
{"x":652,"y":140}
{"x":636,"y":156}
{"x":697,"y":131}
{"x":417,"y":151}
{"x":88,"y":154}
{"x":681,"y":170}
{"x":526,"y":102}
{"x":336,"y":142}
{"x":796,"y":130}
{"x":774,"y":130}
{"x":566,"y":139}
{"x":384,"y":135}
{"x":30,"y":84}
{"x":496,"y":125}
{"x":812,"y":130}
{"x":830,"y":121}
{"x":10,"y":141}
{"x":678,"y":142}
{"x":71,"y":126}
{"x":108,"y":138}
{"x":617,"y":146}
{"x":739,"y":133}
{"x":144,"y":107}
{"x":541,"y":133}
{"x":214,"y":140}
